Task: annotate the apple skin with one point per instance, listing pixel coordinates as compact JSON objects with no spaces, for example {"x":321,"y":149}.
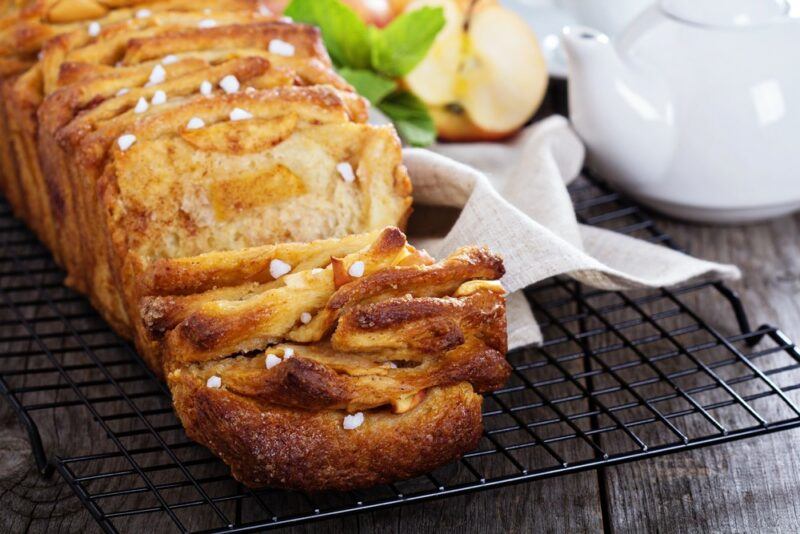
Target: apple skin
{"x":457,"y":127}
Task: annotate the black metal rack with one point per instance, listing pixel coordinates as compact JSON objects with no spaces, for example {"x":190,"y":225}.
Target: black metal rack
{"x":620,"y":377}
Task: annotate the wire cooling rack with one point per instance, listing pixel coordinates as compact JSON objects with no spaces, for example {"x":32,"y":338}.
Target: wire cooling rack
{"x":621,"y":376}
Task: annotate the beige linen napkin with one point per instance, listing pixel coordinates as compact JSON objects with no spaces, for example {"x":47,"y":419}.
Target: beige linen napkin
{"x":513,"y":199}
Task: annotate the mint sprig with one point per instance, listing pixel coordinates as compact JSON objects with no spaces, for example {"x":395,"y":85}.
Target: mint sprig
{"x":410,"y":117}
{"x":369,"y":84}
{"x":372,"y":59}
{"x":397,"y":48}
{"x":345,"y":34}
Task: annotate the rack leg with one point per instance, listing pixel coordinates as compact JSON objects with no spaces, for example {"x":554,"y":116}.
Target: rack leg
{"x":37,"y":447}
{"x":739,"y":312}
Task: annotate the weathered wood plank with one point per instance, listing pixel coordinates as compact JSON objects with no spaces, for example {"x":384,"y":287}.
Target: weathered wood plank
{"x":746,"y":486}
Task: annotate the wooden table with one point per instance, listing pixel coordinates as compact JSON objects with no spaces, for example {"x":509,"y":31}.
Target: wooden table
{"x":745,"y":486}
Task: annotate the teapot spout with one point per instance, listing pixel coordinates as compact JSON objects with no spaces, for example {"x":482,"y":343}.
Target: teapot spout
{"x":621,"y":110}
{"x":587,"y":47}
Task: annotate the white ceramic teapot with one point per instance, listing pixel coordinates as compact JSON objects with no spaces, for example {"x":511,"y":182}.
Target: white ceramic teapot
{"x":694,"y":108}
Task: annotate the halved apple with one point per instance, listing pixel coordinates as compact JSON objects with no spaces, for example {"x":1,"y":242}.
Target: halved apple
{"x":484,"y":76}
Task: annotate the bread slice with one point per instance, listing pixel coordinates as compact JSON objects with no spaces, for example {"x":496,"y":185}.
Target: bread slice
{"x":233,"y":184}
{"x":217,"y":270}
{"x":320,"y":377}
{"x":170,"y":289}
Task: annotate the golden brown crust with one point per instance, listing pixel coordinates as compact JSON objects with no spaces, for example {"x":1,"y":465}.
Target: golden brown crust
{"x":424,"y":324}
{"x":468,"y":263}
{"x":279,"y":447}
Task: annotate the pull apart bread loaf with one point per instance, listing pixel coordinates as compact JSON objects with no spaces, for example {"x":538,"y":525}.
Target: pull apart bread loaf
{"x":209,"y":181}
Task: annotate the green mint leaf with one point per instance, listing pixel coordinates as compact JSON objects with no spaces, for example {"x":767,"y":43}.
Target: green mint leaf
{"x":368,"y":84}
{"x":370,"y":59}
{"x":397,"y":48}
{"x":344,"y":33}
{"x":410,"y":117}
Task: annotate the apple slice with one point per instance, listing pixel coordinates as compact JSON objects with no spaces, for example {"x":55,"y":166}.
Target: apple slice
{"x":484,"y":76}
{"x":433,"y":80}
{"x":503,"y":76}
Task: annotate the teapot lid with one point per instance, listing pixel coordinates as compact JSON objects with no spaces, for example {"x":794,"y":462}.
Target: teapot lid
{"x":739,"y":13}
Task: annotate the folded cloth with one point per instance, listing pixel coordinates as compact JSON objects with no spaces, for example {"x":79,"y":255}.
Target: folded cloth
{"x":513,"y":199}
